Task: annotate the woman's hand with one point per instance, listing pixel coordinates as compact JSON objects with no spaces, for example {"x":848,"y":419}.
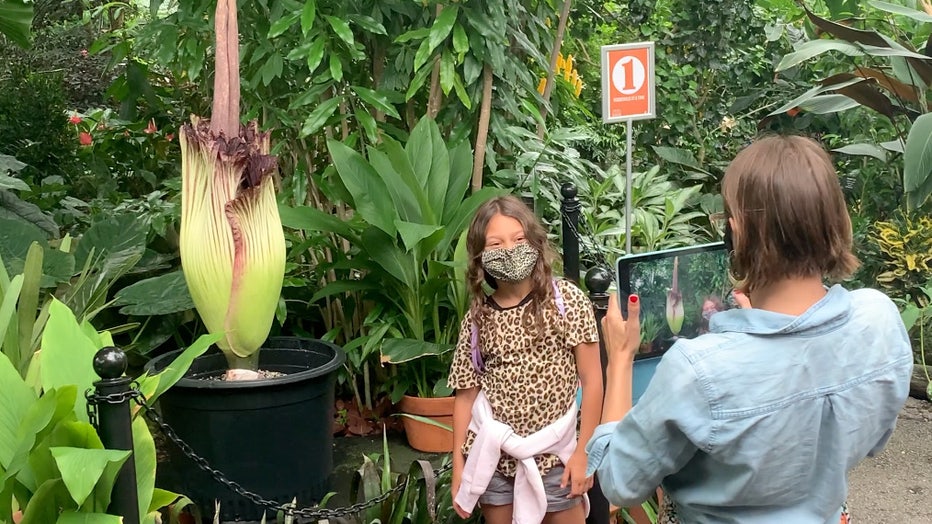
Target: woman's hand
{"x":622,"y":337}
{"x":574,"y":475}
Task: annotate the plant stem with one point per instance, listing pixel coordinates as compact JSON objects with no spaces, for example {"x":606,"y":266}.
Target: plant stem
{"x":236,"y":362}
{"x":554,"y":54}
{"x":433,"y":100}
{"x":482,"y":136}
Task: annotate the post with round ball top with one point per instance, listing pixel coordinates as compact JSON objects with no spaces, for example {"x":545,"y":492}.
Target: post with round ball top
{"x":113,"y":395}
{"x":569,"y":211}
{"x":598,"y":281}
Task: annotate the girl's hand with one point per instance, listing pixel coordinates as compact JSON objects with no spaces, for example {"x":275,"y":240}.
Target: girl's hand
{"x":622,"y":337}
{"x":455,"y":488}
{"x":574,"y":475}
{"x":742,"y":300}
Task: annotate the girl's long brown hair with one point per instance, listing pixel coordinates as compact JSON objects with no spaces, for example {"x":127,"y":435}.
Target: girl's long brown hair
{"x":536,"y":236}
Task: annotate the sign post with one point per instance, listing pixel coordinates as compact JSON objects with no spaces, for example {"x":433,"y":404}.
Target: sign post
{"x":628,"y":95}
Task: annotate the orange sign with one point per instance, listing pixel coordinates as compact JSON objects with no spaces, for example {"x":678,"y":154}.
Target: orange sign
{"x":627,"y":82}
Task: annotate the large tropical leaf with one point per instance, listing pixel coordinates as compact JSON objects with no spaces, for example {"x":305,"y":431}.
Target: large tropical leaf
{"x":159,"y":295}
{"x":917,"y":156}
{"x":399,"y":350}
{"x":16,"y":21}
{"x":371,"y":198}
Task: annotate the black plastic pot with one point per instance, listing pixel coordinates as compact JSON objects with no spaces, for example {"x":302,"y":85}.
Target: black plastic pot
{"x":272,"y":436}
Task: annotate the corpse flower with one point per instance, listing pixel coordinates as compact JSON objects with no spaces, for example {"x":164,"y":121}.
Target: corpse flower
{"x":231,"y":241}
{"x":675,"y":312}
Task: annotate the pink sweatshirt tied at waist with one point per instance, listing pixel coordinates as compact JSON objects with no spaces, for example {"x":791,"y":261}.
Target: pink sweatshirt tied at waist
{"x":493,"y":438}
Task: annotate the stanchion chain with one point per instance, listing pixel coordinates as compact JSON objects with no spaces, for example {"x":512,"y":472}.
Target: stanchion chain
{"x":315,"y":513}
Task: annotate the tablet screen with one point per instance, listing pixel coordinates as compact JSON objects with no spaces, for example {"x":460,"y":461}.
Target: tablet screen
{"x":680,"y":290}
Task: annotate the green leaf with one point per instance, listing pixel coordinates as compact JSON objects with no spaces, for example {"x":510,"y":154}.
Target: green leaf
{"x":46,"y":503}
{"x":917,"y":158}
{"x":145,"y":462}
{"x":283,"y":24}
{"x":825,"y":104}
{"x":414,"y":34}
{"x":159,"y":295}
{"x":162,"y":498}
{"x":342,"y":30}
{"x":319,"y":116}
{"x":370,"y":195}
{"x":412,"y":234}
{"x":460,"y":40}
{"x":316,"y":53}
{"x":442,"y":26}
{"x":377,"y":100}
{"x":175,"y":371}
{"x":16,"y":21}
{"x":314,"y":220}
{"x":108,"y":237}
{"x":404,"y":194}
{"x":340,"y":287}
{"x":400,"y":350}
{"x":308,"y":14}
{"x":369,"y":24}
{"x":398,"y":264}
{"x":9,"y":164}
{"x":679,"y":156}
{"x":446,"y":72}
{"x":864,"y":149}
{"x":336,"y":67}
{"x":8,"y":299}
{"x":69,"y":517}
{"x":814,"y":48}
{"x":67,"y":355}
{"x":367,"y":123}
{"x":461,"y":164}
{"x":272,"y":68}
{"x":14,"y":208}
{"x":417,"y":83}
{"x":15,"y":400}
{"x":81,"y":468}
{"x":461,"y":91}
{"x":8,"y":182}
{"x":422,"y":54}
{"x":901,"y":10}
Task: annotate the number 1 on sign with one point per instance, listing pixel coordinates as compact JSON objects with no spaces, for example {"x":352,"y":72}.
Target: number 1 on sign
{"x":628,"y":75}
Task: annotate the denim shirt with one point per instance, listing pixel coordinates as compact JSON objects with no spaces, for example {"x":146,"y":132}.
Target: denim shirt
{"x":761,"y":419}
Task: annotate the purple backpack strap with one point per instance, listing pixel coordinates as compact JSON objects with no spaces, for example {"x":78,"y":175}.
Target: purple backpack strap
{"x":476,"y":356}
{"x":477,"y":363}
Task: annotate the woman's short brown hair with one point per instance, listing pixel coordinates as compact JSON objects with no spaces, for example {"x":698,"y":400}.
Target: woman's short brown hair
{"x":789,"y":212}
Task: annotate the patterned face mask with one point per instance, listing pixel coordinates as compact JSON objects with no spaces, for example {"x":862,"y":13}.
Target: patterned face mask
{"x":510,"y":265}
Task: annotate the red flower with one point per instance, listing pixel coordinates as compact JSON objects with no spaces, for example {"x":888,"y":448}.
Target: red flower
{"x":74,"y":119}
{"x":85,"y":138}
{"x":151,"y":127}
{"x":170,"y":137}
{"x":84,"y":53}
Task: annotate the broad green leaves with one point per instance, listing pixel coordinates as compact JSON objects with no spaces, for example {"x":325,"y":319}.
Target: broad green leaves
{"x":917,"y":172}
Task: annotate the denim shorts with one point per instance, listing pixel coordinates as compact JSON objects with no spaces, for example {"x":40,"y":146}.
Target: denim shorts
{"x":501,"y":491}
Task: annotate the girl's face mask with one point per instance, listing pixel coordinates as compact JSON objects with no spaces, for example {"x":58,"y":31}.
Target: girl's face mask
{"x":512,"y":264}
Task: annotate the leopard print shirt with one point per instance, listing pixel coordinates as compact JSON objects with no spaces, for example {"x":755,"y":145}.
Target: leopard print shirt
{"x":530,"y":382}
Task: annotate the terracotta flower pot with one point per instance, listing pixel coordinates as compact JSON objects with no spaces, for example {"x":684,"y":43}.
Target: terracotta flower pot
{"x":423,"y":436}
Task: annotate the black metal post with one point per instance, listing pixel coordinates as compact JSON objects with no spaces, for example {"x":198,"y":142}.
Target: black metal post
{"x":569,"y":209}
{"x":114,"y":425}
{"x":598,"y":280}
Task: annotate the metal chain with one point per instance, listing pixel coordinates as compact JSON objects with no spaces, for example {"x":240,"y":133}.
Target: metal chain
{"x":288,"y":509}
{"x":93,"y":398}
{"x":599,"y":253}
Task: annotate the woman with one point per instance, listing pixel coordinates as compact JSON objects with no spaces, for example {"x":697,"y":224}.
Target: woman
{"x":761,"y":419}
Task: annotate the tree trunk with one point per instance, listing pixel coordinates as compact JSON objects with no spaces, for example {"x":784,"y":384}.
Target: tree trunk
{"x":482,"y":136}
{"x":436,"y":95}
{"x":554,"y":54}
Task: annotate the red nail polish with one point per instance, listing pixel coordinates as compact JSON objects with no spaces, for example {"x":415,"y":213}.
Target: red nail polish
{"x":633,"y":299}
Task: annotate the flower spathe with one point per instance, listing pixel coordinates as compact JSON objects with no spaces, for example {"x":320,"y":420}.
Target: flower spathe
{"x":232,"y":242}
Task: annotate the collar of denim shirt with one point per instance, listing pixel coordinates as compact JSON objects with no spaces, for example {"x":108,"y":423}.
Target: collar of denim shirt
{"x":832,"y":311}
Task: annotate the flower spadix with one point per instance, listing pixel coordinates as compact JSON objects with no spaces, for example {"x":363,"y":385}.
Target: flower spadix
{"x":675,"y":311}
{"x":232,"y":241}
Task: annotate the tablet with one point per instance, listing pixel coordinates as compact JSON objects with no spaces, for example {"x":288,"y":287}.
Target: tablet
{"x":679,"y":289}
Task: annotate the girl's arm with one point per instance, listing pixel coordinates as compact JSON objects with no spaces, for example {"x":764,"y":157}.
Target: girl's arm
{"x":462,"y":415}
{"x":589,"y":368}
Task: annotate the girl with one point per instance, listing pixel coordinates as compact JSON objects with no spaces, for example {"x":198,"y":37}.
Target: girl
{"x":523,"y":350}
{"x":760,"y":420}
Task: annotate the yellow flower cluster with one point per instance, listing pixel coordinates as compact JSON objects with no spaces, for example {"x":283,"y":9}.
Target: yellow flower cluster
{"x":566,"y":67}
